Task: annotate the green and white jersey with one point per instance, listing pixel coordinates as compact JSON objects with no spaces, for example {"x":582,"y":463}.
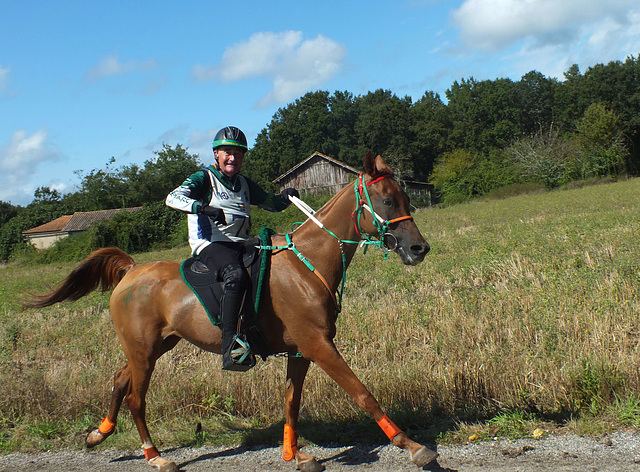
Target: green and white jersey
{"x":234,"y":196}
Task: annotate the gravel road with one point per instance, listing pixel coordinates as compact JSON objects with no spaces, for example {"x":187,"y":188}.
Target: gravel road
{"x":618,"y":452}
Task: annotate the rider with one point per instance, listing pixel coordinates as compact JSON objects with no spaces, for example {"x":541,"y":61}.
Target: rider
{"x":217,"y":201}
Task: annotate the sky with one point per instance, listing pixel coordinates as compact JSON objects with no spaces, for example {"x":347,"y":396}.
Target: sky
{"x":84,"y":82}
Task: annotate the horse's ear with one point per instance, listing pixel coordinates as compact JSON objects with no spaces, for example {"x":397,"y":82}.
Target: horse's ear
{"x":382,"y":167}
{"x":375,"y":166}
{"x":369,"y":164}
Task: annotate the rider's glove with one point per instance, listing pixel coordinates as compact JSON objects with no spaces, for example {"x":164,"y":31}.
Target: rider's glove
{"x":289,"y":192}
{"x":216,"y":214}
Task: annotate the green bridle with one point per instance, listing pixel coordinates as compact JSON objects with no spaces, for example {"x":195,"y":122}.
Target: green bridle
{"x":363,"y":202}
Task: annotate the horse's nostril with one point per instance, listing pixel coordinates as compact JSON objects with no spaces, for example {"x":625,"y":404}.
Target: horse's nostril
{"x":420,"y":248}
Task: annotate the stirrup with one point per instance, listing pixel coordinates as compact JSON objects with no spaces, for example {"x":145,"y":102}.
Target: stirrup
{"x":239,"y":357}
{"x":240,"y":354}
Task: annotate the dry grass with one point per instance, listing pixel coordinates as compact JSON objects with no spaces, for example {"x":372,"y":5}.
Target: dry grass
{"x":528,"y":304}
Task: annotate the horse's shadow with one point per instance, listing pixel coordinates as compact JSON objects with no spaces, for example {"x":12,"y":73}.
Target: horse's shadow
{"x":352,"y":456}
{"x":322,"y":434}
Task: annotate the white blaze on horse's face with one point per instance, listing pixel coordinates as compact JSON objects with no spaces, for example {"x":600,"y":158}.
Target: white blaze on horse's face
{"x":402,"y":236}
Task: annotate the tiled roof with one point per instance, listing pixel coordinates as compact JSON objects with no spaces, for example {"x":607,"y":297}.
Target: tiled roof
{"x":56,"y":225}
{"x":79,"y":221}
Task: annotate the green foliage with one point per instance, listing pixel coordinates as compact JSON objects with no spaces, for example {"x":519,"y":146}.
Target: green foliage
{"x":151,"y":227}
{"x":490,"y":134}
{"x":7,"y":211}
{"x":451,"y":175}
{"x":546,"y":157}
{"x":602,"y":147}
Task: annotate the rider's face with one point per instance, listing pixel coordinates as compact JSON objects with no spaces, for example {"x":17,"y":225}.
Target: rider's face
{"x":229,"y":159}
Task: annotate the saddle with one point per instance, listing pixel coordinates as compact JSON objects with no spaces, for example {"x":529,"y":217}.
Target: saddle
{"x":209,"y":290}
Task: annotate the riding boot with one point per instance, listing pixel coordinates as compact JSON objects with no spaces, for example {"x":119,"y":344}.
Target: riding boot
{"x":236,"y":354}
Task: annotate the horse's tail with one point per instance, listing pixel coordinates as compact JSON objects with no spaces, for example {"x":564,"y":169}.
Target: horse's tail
{"x":104,"y":267}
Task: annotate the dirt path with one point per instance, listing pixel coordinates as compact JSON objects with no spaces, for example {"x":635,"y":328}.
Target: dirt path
{"x":619,"y":452}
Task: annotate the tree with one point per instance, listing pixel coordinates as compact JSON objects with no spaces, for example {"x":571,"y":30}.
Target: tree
{"x":452,"y":175}
{"x":46,"y":194}
{"x":484,"y":114}
{"x":294,"y":133}
{"x":536,"y":94}
{"x":602,"y":147}
{"x":384,"y":127}
{"x":546,"y":157}
{"x":7,"y":211}
{"x":160,"y":175}
{"x":430,"y":126}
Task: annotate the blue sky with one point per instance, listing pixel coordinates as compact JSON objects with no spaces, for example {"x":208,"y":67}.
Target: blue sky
{"x":82,"y":82}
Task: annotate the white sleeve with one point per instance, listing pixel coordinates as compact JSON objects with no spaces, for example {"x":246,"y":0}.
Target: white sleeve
{"x":180,"y":199}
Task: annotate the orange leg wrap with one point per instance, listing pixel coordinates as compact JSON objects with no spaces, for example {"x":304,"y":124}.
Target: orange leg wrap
{"x":290,"y":446}
{"x":106,"y":427}
{"x":150,"y":453}
{"x":389,"y":428}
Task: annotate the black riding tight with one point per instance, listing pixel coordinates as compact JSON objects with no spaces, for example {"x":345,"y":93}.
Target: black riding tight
{"x":225,"y":260}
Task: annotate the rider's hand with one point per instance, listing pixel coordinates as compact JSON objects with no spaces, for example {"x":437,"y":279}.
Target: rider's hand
{"x":289,"y":192}
{"x":216,"y":214}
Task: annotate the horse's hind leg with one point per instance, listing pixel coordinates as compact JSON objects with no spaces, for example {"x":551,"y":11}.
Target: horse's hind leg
{"x":131,"y":384}
{"x":121,"y":382}
{"x":141,"y":370}
{"x":297,"y":368}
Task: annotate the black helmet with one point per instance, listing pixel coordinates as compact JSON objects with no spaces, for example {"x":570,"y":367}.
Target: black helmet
{"x":230,"y":136}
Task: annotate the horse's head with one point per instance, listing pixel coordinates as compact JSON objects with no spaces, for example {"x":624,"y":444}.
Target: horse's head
{"x":383,"y":212}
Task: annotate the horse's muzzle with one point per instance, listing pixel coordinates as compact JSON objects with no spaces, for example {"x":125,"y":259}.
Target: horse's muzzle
{"x":414,"y":254}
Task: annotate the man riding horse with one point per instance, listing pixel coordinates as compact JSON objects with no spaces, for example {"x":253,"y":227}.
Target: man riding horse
{"x":216,"y":200}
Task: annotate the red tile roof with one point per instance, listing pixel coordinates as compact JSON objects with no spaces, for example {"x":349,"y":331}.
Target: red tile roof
{"x":79,"y":221}
{"x":56,"y":225}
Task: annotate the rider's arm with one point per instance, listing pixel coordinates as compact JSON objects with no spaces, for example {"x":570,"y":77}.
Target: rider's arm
{"x":266,"y":200}
{"x":188,"y":197}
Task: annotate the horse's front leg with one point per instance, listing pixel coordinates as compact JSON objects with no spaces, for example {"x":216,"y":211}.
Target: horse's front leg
{"x":297,"y":368}
{"x":326,"y":355}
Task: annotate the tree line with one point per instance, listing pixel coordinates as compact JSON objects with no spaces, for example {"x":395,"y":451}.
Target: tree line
{"x":488,"y":136}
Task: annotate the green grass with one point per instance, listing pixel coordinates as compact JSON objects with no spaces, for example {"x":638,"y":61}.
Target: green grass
{"x":524,"y":316}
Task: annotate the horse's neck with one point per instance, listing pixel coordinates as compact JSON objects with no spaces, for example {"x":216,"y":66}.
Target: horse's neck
{"x":322,"y":249}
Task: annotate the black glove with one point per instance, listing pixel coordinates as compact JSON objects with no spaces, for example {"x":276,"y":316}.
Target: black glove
{"x":216,"y":214}
{"x":289,"y":192}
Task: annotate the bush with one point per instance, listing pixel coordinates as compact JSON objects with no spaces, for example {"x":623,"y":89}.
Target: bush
{"x":151,"y":227}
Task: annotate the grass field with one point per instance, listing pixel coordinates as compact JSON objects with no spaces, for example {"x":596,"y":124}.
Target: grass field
{"x":524,"y":316}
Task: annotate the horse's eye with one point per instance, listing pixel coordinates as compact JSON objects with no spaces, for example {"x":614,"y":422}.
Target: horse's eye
{"x":387,"y":202}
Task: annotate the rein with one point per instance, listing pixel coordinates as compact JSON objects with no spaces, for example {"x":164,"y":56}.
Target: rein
{"x":363,"y":203}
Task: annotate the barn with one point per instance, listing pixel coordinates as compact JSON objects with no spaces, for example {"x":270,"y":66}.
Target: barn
{"x":316,"y":174}
{"x":321,"y":173}
{"x":48,"y":234}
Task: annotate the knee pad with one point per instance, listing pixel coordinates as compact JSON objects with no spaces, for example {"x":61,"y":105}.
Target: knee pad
{"x":234,"y":277}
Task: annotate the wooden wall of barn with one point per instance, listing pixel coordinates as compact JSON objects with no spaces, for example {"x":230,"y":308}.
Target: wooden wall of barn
{"x":318,"y":175}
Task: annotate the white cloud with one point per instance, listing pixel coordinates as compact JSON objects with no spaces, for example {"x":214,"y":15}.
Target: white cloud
{"x":294,"y":65}
{"x":498,"y":24}
{"x":111,"y":65}
{"x":18,"y":161}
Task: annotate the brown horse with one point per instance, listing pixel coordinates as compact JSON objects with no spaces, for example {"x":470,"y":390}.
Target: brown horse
{"x":152,"y":309}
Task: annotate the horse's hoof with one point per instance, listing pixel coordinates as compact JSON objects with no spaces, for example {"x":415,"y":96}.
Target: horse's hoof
{"x":163,"y":465}
{"x":169,"y":467}
{"x":94,"y":438}
{"x":423,"y":456}
{"x":310,"y":465}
